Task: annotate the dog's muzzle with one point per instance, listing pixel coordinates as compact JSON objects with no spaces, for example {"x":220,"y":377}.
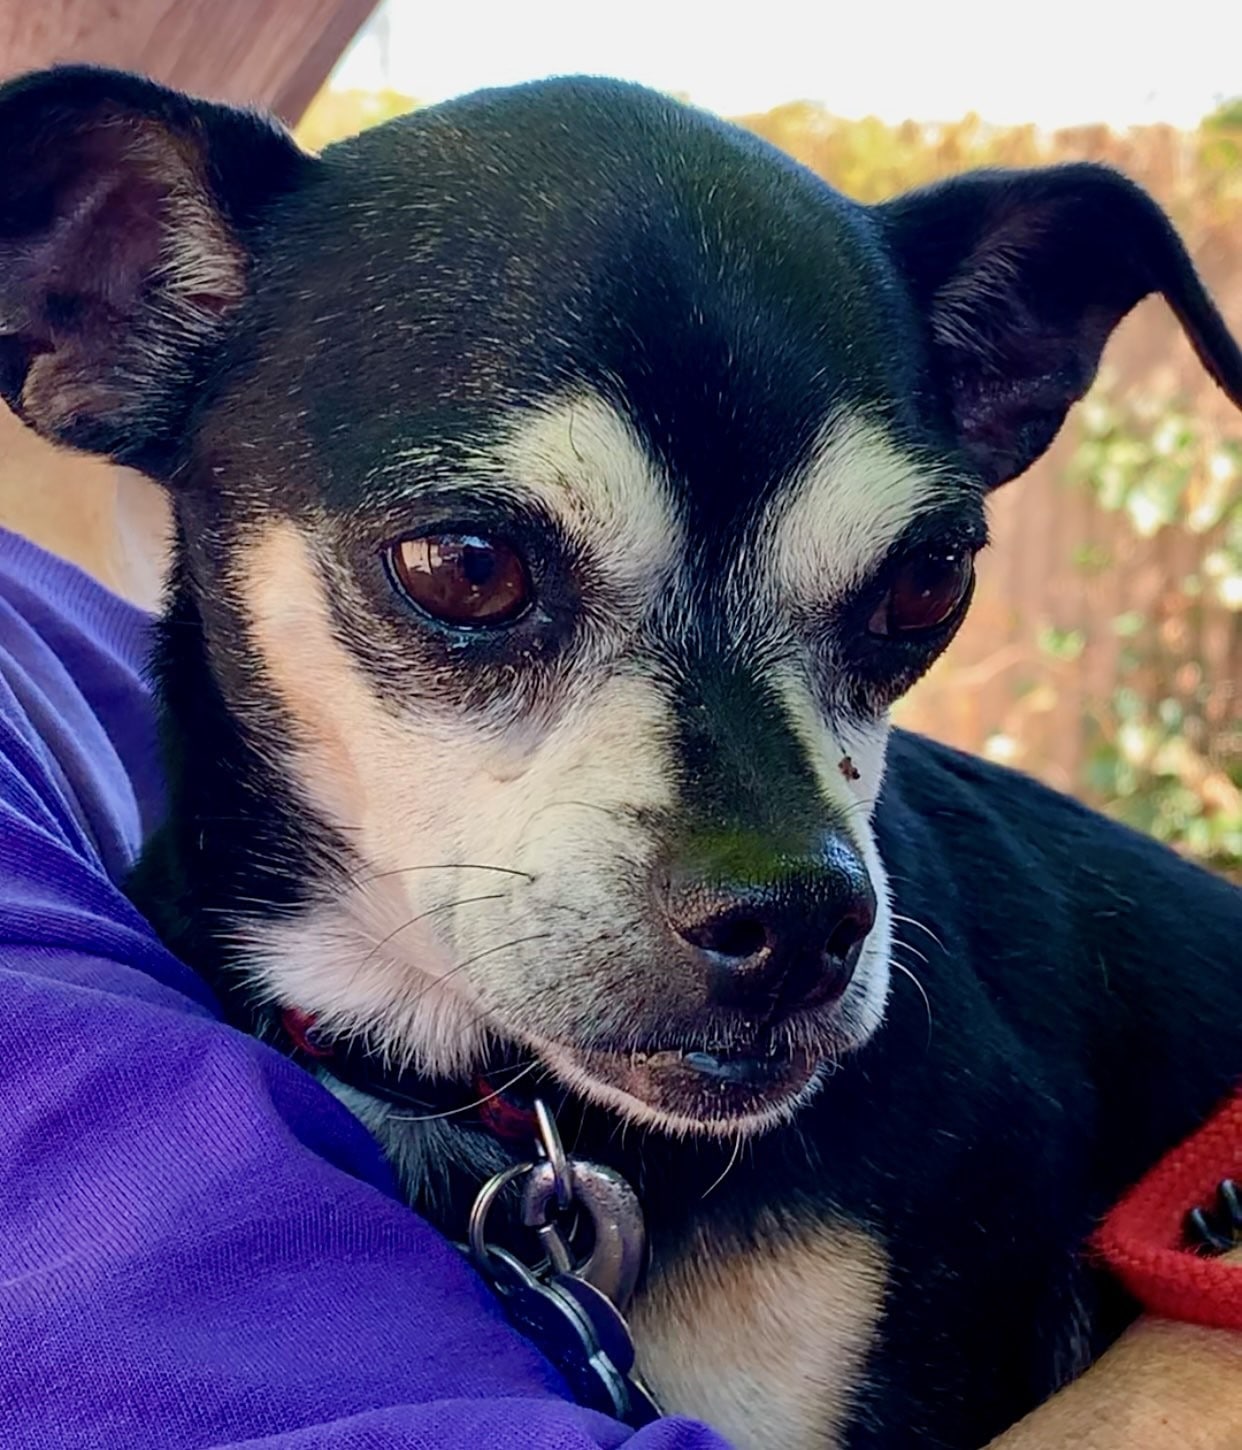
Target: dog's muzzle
{"x":787,"y":943}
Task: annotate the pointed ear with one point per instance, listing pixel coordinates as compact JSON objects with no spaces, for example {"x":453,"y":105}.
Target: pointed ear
{"x":1022,"y":276}
{"x":125,"y":211}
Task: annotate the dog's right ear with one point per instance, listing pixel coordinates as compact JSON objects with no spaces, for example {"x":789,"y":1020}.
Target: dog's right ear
{"x":1021,"y":277}
{"x":124,"y":215}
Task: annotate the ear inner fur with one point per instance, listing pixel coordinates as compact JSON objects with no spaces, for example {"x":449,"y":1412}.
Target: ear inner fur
{"x":1022,"y":276}
{"x":123,"y":208}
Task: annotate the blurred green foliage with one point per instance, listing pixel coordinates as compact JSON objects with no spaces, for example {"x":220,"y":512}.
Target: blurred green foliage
{"x":1168,"y":761}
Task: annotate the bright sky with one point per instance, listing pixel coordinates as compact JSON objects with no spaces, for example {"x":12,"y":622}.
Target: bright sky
{"x":1053,"y":62}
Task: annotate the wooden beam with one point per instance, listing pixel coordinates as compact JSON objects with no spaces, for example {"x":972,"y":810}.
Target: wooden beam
{"x":270,"y":53}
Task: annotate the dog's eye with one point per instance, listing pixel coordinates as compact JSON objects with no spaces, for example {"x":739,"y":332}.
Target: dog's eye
{"x":924,"y":591}
{"x":462,"y":579}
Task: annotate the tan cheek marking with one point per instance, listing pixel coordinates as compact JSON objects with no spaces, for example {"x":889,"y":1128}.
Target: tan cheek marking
{"x":767,"y":1343}
{"x":336,"y":719}
{"x":352,"y":763}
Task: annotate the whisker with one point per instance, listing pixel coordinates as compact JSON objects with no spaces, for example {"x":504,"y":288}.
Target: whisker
{"x":566,"y":1094}
{"x":612,"y":812}
{"x":910,"y":921}
{"x":487,"y":1014}
{"x":527,"y":1068}
{"x":905,"y":945}
{"x":478,"y":957}
{"x":422,"y":916}
{"x":443,"y":866}
{"x":213,"y":820}
{"x":906,"y":972}
{"x":393,"y":1055}
{"x":729,"y":1166}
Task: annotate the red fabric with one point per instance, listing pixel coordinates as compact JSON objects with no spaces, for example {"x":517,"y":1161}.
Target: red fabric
{"x":301,"y":1028}
{"x":510,"y":1122}
{"x":1142,"y":1240}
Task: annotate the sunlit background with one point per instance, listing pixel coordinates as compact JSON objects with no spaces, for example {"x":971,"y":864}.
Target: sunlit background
{"x":1104,"y":651}
{"x":1054,"y":62}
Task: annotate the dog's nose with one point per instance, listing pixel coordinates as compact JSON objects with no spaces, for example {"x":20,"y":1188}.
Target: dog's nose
{"x":781,"y":945}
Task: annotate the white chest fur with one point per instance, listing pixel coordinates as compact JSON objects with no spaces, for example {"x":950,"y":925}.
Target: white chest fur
{"x":766,"y":1342}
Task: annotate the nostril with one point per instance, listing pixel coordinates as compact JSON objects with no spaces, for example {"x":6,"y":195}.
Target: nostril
{"x":738,"y":937}
{"x":846,"y":936}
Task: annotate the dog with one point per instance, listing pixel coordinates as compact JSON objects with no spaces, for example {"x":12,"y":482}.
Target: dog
{"x":566,"y":485}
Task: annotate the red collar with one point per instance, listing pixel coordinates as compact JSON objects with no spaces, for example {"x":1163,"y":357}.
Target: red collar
{"x":476,"y":1102}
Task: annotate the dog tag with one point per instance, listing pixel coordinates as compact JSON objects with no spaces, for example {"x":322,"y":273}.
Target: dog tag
{"x":564,"y":1330}
{"x":620,"y":1237}
{"x":613,"y":1335}
{"x":572,"y":1311}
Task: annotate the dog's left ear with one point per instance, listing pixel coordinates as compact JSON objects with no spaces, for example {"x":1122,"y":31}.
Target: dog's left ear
{"x":1022,"y":276}
{"x":125,"y":215}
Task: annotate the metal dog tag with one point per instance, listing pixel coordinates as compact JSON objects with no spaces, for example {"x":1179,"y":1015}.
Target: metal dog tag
{"x":564,"y":1329}
{"x":613,"y":1334}
{"x":619,"y":1247}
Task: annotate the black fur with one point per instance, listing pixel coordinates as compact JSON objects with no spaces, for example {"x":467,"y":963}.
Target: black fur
{"x":419,"y":284}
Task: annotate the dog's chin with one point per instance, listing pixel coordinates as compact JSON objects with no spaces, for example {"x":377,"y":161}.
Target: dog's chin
{"x":691,"y":1091}
{"x":703,"y":1088}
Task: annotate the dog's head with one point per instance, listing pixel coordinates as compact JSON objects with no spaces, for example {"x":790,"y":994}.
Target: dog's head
{"x":567,"y":485}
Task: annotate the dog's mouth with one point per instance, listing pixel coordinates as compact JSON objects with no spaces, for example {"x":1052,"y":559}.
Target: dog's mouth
{"x":691,"y":1089}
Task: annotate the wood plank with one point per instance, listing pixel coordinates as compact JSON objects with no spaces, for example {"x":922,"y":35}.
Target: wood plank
{"x":276,"y":54}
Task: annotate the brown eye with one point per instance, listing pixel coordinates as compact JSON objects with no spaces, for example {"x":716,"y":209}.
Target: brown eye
{"x":462,"y":579}
{"x":925,"y":591}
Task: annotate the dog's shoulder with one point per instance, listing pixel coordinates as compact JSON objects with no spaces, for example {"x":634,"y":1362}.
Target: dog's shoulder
{"x":992,"y":818}
{"x":1021,"y":873}
{"x":1109,"y":956}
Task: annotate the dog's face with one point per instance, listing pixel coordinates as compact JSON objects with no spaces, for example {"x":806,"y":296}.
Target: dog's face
{"x":597,"y":532}
{"x":568,"y":485}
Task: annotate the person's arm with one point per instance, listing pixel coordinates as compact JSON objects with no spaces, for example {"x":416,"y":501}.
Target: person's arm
{"x":198,"y":1245}
{"x":1162,"y":1386}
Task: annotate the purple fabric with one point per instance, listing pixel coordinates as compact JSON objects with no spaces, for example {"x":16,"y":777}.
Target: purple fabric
{"x":198,"y":1245}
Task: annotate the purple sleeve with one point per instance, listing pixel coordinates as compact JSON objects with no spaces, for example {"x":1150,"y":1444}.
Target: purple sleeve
{"x":198,"y":1245}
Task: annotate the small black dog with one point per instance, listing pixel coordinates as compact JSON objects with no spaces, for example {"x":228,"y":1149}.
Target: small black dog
{"x":566,"y":485}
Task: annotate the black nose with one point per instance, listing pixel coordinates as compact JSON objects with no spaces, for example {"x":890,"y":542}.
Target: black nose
{"x":783,"y":945}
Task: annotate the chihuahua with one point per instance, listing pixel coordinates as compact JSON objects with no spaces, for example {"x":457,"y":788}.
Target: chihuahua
{"x":566,"y":484}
